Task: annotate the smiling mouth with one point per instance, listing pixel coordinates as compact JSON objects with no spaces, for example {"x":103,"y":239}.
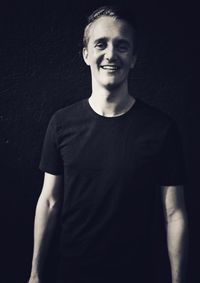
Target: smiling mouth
{"x":110,"y":67}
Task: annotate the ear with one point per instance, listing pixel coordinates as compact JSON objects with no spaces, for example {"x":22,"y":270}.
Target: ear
{"x":134,"y":59}
{"x":85,"y":55}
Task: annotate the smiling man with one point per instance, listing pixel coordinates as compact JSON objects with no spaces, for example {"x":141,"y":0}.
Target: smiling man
{"x":110,"y":153}
{"x":109,"y":52}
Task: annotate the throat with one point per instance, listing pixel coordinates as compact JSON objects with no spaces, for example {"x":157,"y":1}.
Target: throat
{"x":111,"y":108}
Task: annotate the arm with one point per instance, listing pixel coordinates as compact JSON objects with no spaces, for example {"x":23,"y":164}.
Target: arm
{"x":177,"y":230}
{"x":45,"y":220}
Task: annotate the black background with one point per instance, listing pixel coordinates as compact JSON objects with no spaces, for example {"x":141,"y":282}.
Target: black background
{"x":41,"y":70}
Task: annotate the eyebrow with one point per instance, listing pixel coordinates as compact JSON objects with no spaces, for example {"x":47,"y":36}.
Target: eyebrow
{"x":100,"y":39}
{"x":121,"y":40}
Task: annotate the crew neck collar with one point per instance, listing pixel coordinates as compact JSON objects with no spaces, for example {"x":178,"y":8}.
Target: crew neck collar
{"x":120,"y":116}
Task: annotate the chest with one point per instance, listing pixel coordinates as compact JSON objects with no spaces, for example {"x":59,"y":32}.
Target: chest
{"x":104,"y":146}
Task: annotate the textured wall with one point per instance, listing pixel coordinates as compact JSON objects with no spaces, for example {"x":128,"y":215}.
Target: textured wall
{"x":41,"y":71}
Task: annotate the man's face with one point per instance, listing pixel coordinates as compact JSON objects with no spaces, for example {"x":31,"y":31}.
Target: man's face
{"x":109,"y":52}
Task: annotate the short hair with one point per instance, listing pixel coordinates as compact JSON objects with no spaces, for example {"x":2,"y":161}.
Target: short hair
{"x":114,"y":12}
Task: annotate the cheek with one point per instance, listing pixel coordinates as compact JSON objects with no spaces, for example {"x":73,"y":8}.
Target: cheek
{"x":99,"y":59}
{"x":129,"y":62}
{"x":95,"y":59}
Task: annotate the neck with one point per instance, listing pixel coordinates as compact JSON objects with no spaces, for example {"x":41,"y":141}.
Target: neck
{"x":113,"y":102}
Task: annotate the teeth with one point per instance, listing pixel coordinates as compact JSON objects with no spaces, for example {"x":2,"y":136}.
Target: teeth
{"x":110,"y":67}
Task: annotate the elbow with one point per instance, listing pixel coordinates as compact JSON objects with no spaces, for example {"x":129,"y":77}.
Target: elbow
{"x":177,"y":216}
{"x":177,"y":228}
{"x":53,"y":204}
{"x":50,"y":204}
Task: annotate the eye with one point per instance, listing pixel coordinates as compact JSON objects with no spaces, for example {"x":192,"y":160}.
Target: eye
{"x":122,"y":47}
{"x":100,"y":45}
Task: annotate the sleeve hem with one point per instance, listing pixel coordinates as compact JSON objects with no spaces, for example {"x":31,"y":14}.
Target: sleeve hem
{"x":50,"y":171}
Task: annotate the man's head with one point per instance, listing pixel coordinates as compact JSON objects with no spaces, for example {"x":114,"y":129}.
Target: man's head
{"x":109,"y":46}
{"x":115,"y":13}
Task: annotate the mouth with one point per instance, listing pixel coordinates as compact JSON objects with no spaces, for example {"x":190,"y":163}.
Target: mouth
{"x":110,"y":67}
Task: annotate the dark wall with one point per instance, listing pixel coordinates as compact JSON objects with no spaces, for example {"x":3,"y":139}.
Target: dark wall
{"x":41,"y":71}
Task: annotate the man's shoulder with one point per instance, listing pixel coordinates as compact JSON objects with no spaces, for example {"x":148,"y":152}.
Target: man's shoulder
{"x":70,"y":112}
{"x":70,"y":109}
{"x":68,"y":115}
{"x":155,"y":114}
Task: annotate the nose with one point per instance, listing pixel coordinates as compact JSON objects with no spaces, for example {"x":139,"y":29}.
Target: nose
{"x":110,"y":53}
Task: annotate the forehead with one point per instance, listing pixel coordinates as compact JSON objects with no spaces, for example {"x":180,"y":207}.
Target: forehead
{"x":111,"y":28}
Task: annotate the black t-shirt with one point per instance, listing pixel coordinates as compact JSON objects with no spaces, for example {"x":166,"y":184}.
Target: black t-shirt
{"x":111,"y":167}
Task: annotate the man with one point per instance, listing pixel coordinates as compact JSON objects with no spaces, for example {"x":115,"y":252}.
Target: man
{"x":110,"y":153}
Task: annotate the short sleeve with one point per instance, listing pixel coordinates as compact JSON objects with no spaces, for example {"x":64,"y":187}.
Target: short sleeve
{"x":51,"y":161}
{"x":171,"y":167}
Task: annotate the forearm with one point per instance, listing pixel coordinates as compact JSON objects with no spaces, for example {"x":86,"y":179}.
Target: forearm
{"x":177,"y":240}
{"x":45,"y":221}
